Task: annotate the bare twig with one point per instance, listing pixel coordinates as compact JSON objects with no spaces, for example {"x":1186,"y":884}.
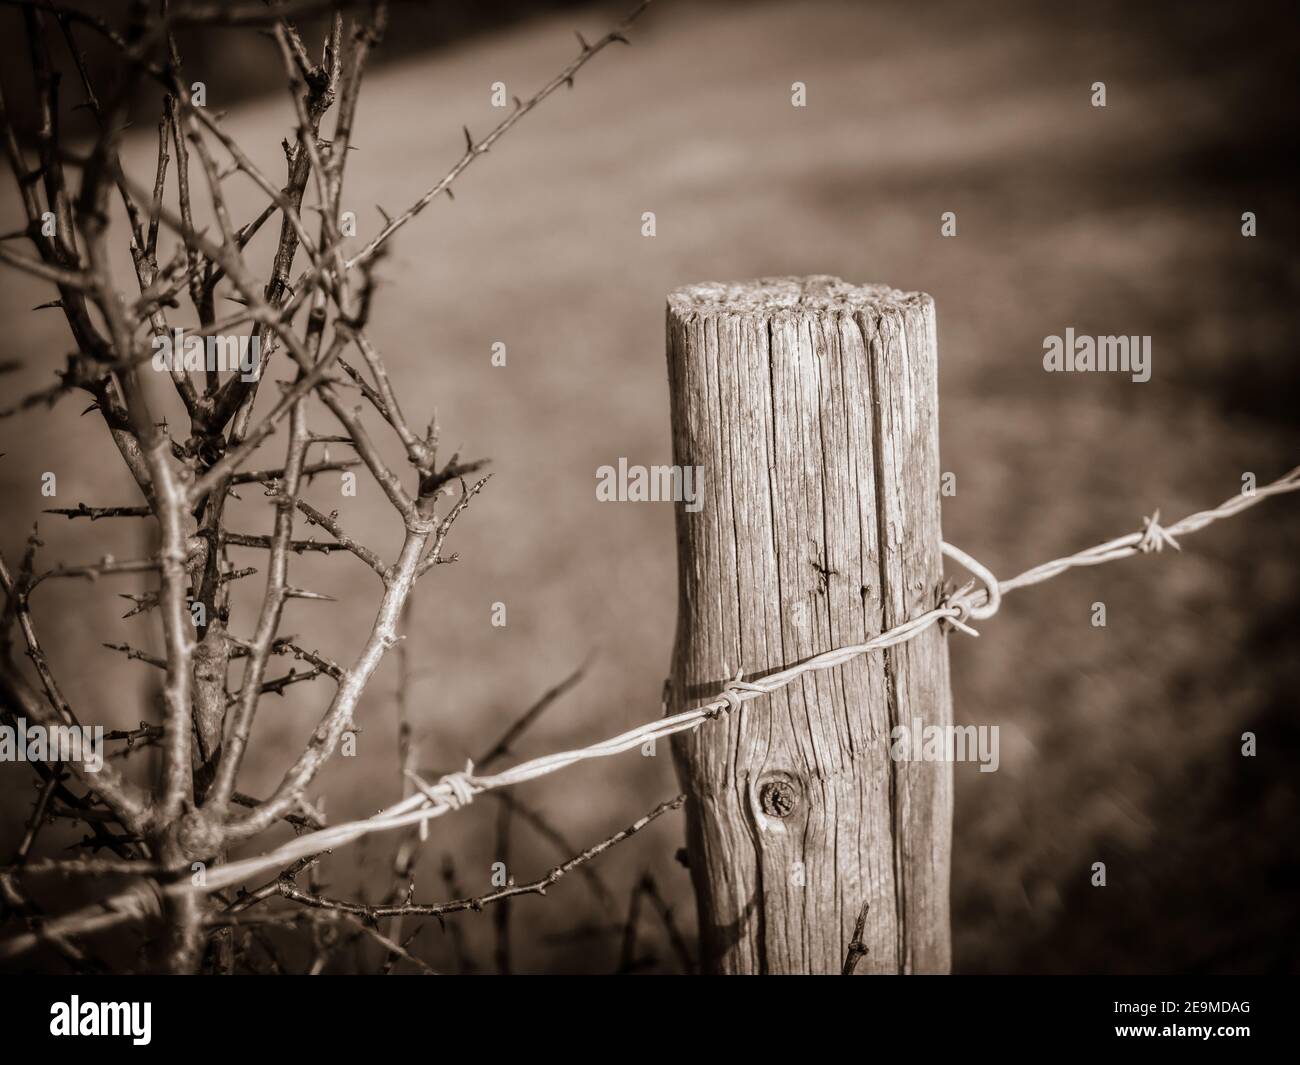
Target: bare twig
{"x":857,"y":948}
{"x":535,"y":887}
{"x":473,"y":148}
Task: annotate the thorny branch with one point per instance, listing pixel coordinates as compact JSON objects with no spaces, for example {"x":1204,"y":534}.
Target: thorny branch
{"x":188,"y":469}
{"x":502,"y":895}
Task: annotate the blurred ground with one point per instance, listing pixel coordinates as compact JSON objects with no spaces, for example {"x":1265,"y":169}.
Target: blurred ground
{"x":1119,"y":744}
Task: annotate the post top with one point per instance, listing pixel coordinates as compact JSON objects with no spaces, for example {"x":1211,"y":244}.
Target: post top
{"x":774,"y":295}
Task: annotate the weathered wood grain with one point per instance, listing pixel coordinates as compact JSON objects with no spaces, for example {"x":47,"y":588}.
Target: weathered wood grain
{"x":811,"y":406}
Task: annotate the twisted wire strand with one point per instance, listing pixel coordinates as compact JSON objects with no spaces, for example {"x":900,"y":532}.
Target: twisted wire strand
{"x":975,"y":601}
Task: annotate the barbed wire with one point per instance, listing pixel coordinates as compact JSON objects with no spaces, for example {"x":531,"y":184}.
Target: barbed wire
{"x":976,"y":600}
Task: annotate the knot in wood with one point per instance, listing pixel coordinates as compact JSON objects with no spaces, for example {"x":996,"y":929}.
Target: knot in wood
{"x":778,"y":798}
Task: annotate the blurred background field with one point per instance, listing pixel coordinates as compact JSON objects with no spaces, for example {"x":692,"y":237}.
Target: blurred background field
{"x":1119,"y":744}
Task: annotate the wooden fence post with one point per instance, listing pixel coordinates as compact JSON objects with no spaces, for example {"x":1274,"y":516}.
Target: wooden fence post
{"x":810,"y":406}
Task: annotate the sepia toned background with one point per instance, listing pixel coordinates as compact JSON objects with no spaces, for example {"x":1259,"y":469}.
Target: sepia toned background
{"x":1118,"y":744}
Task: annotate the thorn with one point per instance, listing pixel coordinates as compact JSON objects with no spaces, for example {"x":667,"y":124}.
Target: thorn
{"x":519,"y":104}
{"x":302,"y":593}
{"x":141,"y":602}
{"x":469,"y":140}
{"x":569,"y":81}
{"x":47,"y":306}
{"x":619,"y":37}
{"x":388,"y":219}
{"x":450,"y":195}
{"x":582,"y":41}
